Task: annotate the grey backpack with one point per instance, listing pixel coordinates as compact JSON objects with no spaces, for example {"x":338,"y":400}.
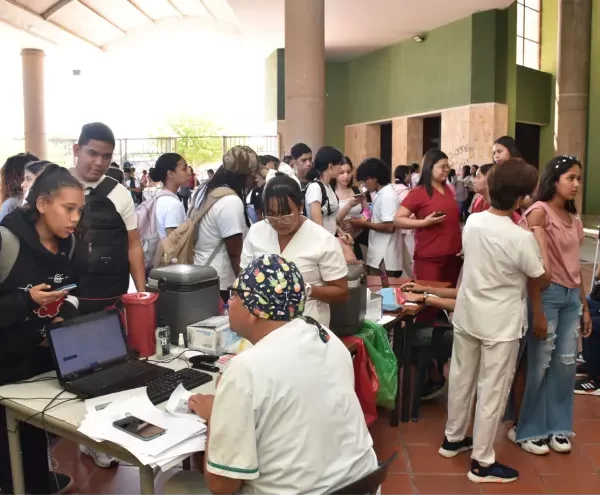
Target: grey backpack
{"x":9,"y":251}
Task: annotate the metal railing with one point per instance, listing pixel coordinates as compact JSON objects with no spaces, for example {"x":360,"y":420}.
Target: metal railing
{"x":144,"y":151}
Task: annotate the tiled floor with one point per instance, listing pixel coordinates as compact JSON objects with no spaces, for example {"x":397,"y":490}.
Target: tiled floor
{"x":418,"y":468}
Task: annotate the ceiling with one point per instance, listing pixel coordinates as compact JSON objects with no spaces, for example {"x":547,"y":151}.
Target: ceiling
{"x":353,"y":27}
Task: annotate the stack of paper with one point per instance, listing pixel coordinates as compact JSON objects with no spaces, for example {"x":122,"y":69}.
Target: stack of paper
{"x":185,"y":432}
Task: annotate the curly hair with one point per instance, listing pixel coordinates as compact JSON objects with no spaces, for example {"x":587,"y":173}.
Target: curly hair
{"x":11,"y":175}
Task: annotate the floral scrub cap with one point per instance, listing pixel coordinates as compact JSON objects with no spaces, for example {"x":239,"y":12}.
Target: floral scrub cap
{"x":272,"y":288}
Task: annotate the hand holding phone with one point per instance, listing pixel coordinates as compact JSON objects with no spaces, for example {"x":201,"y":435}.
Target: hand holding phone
{"x":41,"y":296}
{"x":433,"y":219}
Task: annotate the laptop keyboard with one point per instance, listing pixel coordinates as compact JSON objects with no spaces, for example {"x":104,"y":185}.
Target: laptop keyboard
{"x":125,"y":372}
{"x":160,"y":389}
{"x":159,"y":381}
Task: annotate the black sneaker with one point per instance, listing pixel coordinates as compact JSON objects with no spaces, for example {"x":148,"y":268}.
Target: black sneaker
{"x":587,"y":386}
{"x":494,"y":473}
{"x":581,"y":370}
{"x":450,"y":450}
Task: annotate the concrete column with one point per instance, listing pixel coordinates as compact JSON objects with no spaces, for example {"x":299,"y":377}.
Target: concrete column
{"x":305,"y":72}
{"x":572,"y":79}
{"x":33,"y":101}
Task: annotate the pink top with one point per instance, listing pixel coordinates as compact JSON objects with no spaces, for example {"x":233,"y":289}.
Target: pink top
{"x":452,"y":188}
{"x":563,"y":241}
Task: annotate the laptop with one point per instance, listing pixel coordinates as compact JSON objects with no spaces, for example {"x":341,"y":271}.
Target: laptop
{"x":92,"y":358}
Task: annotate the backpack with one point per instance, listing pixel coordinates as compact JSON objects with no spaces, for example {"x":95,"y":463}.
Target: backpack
{"x":102,"y":251}
{"x":325,"y":203}
{"x":10,"y":246}
{"x":178,"y":246}
{"x":147,"y":227}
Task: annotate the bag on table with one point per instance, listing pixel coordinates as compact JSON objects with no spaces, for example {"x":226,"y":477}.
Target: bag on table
{"x":383,"y":358}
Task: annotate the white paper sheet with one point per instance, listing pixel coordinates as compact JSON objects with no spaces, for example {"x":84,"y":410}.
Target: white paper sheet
{"x":99,"y":426}
{"x":94,"y":405}
{"x":385,"y":319}
{"x":178,"y":403}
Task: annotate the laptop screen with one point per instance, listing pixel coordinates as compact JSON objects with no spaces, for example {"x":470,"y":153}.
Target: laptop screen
{"x":85,"y":345}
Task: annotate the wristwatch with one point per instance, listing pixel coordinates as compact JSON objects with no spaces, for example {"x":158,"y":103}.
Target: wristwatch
{"x":307,"y":289}
{"x":425,"y":295}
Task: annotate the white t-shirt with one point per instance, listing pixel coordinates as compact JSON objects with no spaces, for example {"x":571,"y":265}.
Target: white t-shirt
{"x":499,"y":257}
{"x":316,"y":253}
{"x":386,"y":246}
{"x":169,"y":214}
{"x":414,"y":179}
{"x":225,"y":218}
{"x":314,"y":194}
{"x":122,"y":200}
{"x":286,"y":419}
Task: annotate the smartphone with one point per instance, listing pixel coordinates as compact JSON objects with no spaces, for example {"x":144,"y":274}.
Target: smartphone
{"x":439,"y":214}
{"x":358,"y":195}
{"x":139,"y":428}
{"x":68,"y":287}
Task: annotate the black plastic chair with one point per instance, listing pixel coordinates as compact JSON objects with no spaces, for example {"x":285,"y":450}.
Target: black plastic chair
{"x":369,"y":483}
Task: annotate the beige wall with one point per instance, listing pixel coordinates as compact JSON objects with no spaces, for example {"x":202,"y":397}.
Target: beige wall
{"x":362,"y":141}
{"x":407,"y":140}
{"x":467,"y":136}
{"x":468,"y":133}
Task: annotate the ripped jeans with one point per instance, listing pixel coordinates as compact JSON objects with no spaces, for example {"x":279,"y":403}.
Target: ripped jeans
{"x":548,"y":402}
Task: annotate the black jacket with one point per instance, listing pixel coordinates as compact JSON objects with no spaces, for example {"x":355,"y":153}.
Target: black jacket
{"x":21,"y":319}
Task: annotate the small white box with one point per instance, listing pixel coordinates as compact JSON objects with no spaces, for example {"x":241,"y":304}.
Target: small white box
{"x":208,"y":335}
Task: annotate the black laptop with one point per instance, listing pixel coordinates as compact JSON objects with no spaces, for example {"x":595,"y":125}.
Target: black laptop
{"x":92,"y":358}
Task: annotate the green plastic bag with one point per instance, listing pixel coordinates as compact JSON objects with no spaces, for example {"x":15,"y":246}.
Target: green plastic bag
{"x":383,"y":358}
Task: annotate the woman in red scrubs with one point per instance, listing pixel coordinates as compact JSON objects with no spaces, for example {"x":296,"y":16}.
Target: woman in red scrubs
{"x":436,"y":222}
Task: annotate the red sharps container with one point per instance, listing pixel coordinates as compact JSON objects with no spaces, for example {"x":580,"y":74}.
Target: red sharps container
{"x":140,"y":315}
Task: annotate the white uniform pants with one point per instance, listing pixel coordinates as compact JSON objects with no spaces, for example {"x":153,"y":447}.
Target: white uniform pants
{"x":482,"y":369}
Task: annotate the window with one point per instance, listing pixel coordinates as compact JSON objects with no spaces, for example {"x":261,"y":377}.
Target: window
{"x":528,"y":33}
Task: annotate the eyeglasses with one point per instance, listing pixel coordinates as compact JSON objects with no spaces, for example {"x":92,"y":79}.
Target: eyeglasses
{"x":276,"y":220}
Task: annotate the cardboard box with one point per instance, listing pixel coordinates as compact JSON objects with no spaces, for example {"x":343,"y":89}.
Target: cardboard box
{"x":215,"y":337}
{"x":207,"y":335}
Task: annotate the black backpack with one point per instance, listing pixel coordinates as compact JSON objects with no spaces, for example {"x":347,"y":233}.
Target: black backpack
{"x":102,"y":247}
{"x":325,"y":205}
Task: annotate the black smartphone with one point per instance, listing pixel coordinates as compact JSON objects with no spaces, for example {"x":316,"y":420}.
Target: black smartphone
{"x":139,"y":428}
{"x":439,"y":214}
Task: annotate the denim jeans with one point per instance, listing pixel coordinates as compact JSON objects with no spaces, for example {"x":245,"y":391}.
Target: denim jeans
{"x":548,"y":402}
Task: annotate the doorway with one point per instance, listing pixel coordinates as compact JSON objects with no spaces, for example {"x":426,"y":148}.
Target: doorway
{"x":527,"y":137}
{"x":385,"y":143}
{"x":432,"y":133}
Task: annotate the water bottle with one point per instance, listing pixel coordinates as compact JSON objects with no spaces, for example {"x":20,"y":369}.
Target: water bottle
{"x":225,"y":309}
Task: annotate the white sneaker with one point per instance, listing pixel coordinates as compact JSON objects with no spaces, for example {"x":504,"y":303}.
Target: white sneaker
{"x":101,"y":460}
{"x":560,"y":444}
{"x":538,"y":447}
{"x":512,"y":434}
